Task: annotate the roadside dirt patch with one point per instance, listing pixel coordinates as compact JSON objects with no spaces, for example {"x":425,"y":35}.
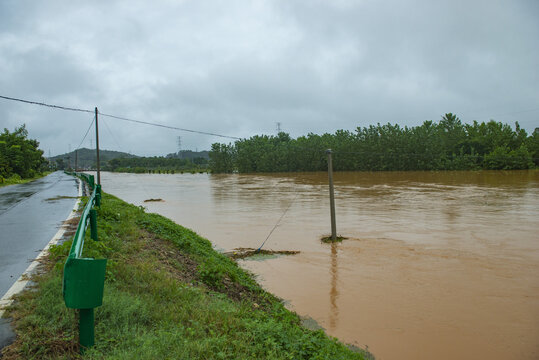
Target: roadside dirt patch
{"x":180,"y":266}
{"x":53,"y":199}
{"x":70,"y":227}
{"x":184,"y":268}
{"x":55,"y":346}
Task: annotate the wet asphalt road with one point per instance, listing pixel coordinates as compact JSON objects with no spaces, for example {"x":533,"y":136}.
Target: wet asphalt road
{"x":30,"y":215}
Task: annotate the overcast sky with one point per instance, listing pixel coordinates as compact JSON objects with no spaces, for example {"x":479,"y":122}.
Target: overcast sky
{"x":239,"y":67}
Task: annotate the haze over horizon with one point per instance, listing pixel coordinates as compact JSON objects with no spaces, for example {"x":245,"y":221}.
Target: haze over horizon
{"x":237,"y":68}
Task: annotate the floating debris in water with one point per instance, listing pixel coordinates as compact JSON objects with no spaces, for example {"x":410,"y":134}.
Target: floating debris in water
{"x":154,"y":200}
{"x":242,"y":253}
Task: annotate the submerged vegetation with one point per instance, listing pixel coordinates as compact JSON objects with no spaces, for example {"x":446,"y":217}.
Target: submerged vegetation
{"x":446,"y":145}
{"x":244,"y":253}
{"x":168,"y":294}
{"x":329,"y":239}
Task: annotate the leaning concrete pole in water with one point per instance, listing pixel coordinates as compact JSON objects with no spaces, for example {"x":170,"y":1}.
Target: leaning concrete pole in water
{"x":331,"y":197}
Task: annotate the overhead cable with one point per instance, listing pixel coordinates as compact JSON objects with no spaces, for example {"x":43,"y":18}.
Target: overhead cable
{"x":277,"y":223}
{"x":169,"y":127}
{"x":86,"y":134}
{"x":113,"y":136}
{"x":47,"y":105}
{"x":118,"y":117}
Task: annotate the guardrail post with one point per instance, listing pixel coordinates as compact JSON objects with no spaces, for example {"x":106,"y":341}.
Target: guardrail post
{"x":98,"y":196}
{"x":93,"y":224}
{"x":91,"y":182}
{"x":86,"y":328}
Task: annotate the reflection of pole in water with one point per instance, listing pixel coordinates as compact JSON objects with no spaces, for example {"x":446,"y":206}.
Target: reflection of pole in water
{"x":333,"y":293}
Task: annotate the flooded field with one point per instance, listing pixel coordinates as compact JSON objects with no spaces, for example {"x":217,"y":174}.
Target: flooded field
{"x":436,"y":265}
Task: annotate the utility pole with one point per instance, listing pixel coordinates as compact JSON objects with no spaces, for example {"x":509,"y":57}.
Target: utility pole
{"x":76,"y":159}
{"x":331,"y":197}
{"x":97,"y":147}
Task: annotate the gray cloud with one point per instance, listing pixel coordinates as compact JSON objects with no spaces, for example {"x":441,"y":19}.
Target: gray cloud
{"x":237,"y":68}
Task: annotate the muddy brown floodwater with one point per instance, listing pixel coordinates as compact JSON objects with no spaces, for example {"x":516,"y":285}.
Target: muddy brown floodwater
{"x":437,"y":265}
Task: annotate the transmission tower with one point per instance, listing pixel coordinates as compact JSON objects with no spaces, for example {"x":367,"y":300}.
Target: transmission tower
{"x":179,"y":144}
{"x":278,"y":127}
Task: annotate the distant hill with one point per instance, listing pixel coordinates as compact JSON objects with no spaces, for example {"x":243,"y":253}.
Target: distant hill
{"x":87,"y":158}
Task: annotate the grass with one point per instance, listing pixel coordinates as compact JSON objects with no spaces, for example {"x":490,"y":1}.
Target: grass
{"x":169,"y":295}
{"x":16,"y":179}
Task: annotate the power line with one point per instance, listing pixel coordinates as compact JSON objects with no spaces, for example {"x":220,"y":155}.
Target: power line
{"x":86,"y":134}
{"x":118,"y":117}
{"x":278,"y":221}
{"x":121,"y":149}
{"x":113,"y":136}
{"x":169,"y":127}
{"x":47,"y":105}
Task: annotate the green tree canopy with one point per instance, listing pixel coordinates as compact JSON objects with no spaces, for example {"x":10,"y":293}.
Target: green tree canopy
{"x":19,"y":155}
{"x":446,"y":145}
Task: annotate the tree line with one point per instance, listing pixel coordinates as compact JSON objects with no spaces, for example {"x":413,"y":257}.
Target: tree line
{"x":445,"y":145}
{"x":85,"y":159}
{"x":20,"y":156}
{"x":156,"y":164}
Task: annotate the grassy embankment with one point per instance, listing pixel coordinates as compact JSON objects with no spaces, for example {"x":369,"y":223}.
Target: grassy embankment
{"x":168,"y":295}
{"x":16,"y":179}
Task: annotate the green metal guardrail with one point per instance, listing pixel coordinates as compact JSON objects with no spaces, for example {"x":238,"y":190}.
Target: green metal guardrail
{"x":88,"y":178}
{"x":84,"y":278}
